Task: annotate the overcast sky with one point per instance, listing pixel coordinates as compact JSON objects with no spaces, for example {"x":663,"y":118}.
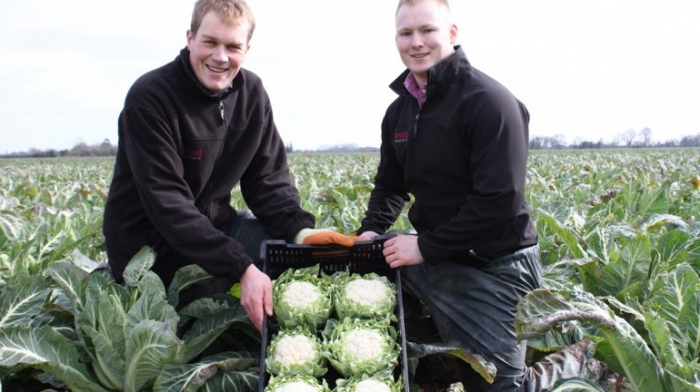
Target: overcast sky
{"x":588,"y":69}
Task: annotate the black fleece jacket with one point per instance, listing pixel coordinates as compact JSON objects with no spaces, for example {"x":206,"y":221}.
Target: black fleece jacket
{"x":181,"y":151}
{"x":463,"y":157}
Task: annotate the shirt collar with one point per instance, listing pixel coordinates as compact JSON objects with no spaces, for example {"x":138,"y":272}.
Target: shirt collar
{"x":420,"y":92}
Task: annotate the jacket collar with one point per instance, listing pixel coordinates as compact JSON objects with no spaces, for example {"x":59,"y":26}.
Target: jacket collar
{"x":439,"y":76}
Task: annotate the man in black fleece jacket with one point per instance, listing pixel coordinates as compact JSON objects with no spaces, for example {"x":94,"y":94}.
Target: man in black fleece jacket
{"x":189,"y":132}
{"x":457,"y":140}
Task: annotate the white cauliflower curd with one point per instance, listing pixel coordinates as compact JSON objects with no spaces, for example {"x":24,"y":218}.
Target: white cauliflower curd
{"x":302,"y":298}
{"x":300,"y":294}
{"x":364,"y":344}
{"x":357,"y":347}
{"x":363,"y":296}
{"x":371,"y":385}
{"x":295,"y":349}
{"x":366,"y":291}
{"x":297,"y":386}
{"x":295,"y":352}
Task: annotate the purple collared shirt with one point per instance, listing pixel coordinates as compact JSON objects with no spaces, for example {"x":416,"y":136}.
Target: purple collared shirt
{"x":417,"y":91}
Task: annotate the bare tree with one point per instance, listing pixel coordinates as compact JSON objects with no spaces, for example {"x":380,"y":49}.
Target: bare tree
{"x":627,"y":138}
{"x":645,"y":135}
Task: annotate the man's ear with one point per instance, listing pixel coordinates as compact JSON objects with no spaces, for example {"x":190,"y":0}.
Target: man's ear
{"x":190,"y":38}
{"x":453,"y":33}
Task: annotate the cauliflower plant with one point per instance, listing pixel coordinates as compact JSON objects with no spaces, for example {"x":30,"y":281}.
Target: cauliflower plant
{"x":361,"y":346}
{"x":382,"y":382}
{"x":368,"y":295}
{"x":295,"y":352}
{"x":302,"y":297}
{"x":296,"y":383}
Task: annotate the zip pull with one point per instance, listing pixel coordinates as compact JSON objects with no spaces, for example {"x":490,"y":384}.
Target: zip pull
{"x":221,"y":109}
{"x":415,"y":124}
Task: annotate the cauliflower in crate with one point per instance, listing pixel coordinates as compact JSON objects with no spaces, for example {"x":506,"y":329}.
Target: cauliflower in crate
{"x":302,"y":297}
{"x":361,"y":346}
{"x":363,"y":296}
{"x":295,"y":351}
{"x":296,"y":383}
{"x":381,"y":382}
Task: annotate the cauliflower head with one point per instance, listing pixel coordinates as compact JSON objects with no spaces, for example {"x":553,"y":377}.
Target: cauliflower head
{"x":295,"y":351}
{"x":296,"y":383}
{"x":302,"y":298}
{"x":363,"y":295}
{"x":361,"y":346}
{"x":381,"y":382}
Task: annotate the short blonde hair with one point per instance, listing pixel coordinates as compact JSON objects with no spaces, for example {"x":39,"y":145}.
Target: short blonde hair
{"x":231,"y":11}
{"x":412,"y":2}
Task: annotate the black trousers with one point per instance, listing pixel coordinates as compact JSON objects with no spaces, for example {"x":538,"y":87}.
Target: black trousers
{"x":475,"y":307}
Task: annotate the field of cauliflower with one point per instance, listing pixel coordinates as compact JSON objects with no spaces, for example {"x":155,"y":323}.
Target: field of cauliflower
{"x":619,"y":233}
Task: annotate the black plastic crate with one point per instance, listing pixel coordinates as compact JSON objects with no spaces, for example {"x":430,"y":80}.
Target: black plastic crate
{"x":364,"y":257}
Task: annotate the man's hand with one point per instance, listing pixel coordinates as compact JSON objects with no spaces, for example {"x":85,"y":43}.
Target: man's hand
{"x":256,"y":295}
{"x":368,"y":235}
{"x":324,"y":237}
{"x":402,"y":250}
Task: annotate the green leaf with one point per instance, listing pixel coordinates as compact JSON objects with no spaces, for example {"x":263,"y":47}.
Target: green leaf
{"x":671,"y":248}
{"x":486,"y":369}
{"x":151,"y":303}
{"x":108,"y":359}
{"x":232,"y":382}
{"x":150,"y":346}
{"x":677,"y":299}
{"x":689,"y":322}
{"x":229,"y":371}
{"x":102,"y":326}
{"x":657,"y":222}
{"x":566,"y":235}
{"x":138,"y":266}
{"x":235,"y":290}
{"x":629,"y":273}
{"x":72,"y":280}
{"x":185,"y":277}
{"x":109,"y":341}
{"x":22,"y":300}
{"x":83,"y":262}
{"x":661,"y":339}
{"x":213,"y":319}
{"x":47,"y":350}
{"x":554,"y":340}
{"x":618,"y":344}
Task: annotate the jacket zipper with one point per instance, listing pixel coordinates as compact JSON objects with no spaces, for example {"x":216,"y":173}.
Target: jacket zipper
{"x":415,"y":124}
{"x":218,"y":155}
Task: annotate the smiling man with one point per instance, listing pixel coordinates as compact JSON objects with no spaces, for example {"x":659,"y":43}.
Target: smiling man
{"x":188,"y":133}
{"x":218,"y":46}
{"x":457,"y":141}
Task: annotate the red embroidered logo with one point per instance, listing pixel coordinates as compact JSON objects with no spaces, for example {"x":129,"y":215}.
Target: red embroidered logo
{"x":194,"y":153}
{"x":400,"y":136}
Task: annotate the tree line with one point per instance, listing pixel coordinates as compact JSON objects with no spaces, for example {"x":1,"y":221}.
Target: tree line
{"x":627,"y":139}
{"x":81,"y":149}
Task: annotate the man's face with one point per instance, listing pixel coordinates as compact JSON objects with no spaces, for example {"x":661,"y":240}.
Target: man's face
{"x":424,"y":36}
{"x":217,"y":51}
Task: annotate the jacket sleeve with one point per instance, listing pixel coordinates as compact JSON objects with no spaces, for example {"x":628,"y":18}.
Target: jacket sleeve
{"x":497,"y":127}
{"x":267,"y":185}
{"x":158,"y":174}
{"x":389,"y":196}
